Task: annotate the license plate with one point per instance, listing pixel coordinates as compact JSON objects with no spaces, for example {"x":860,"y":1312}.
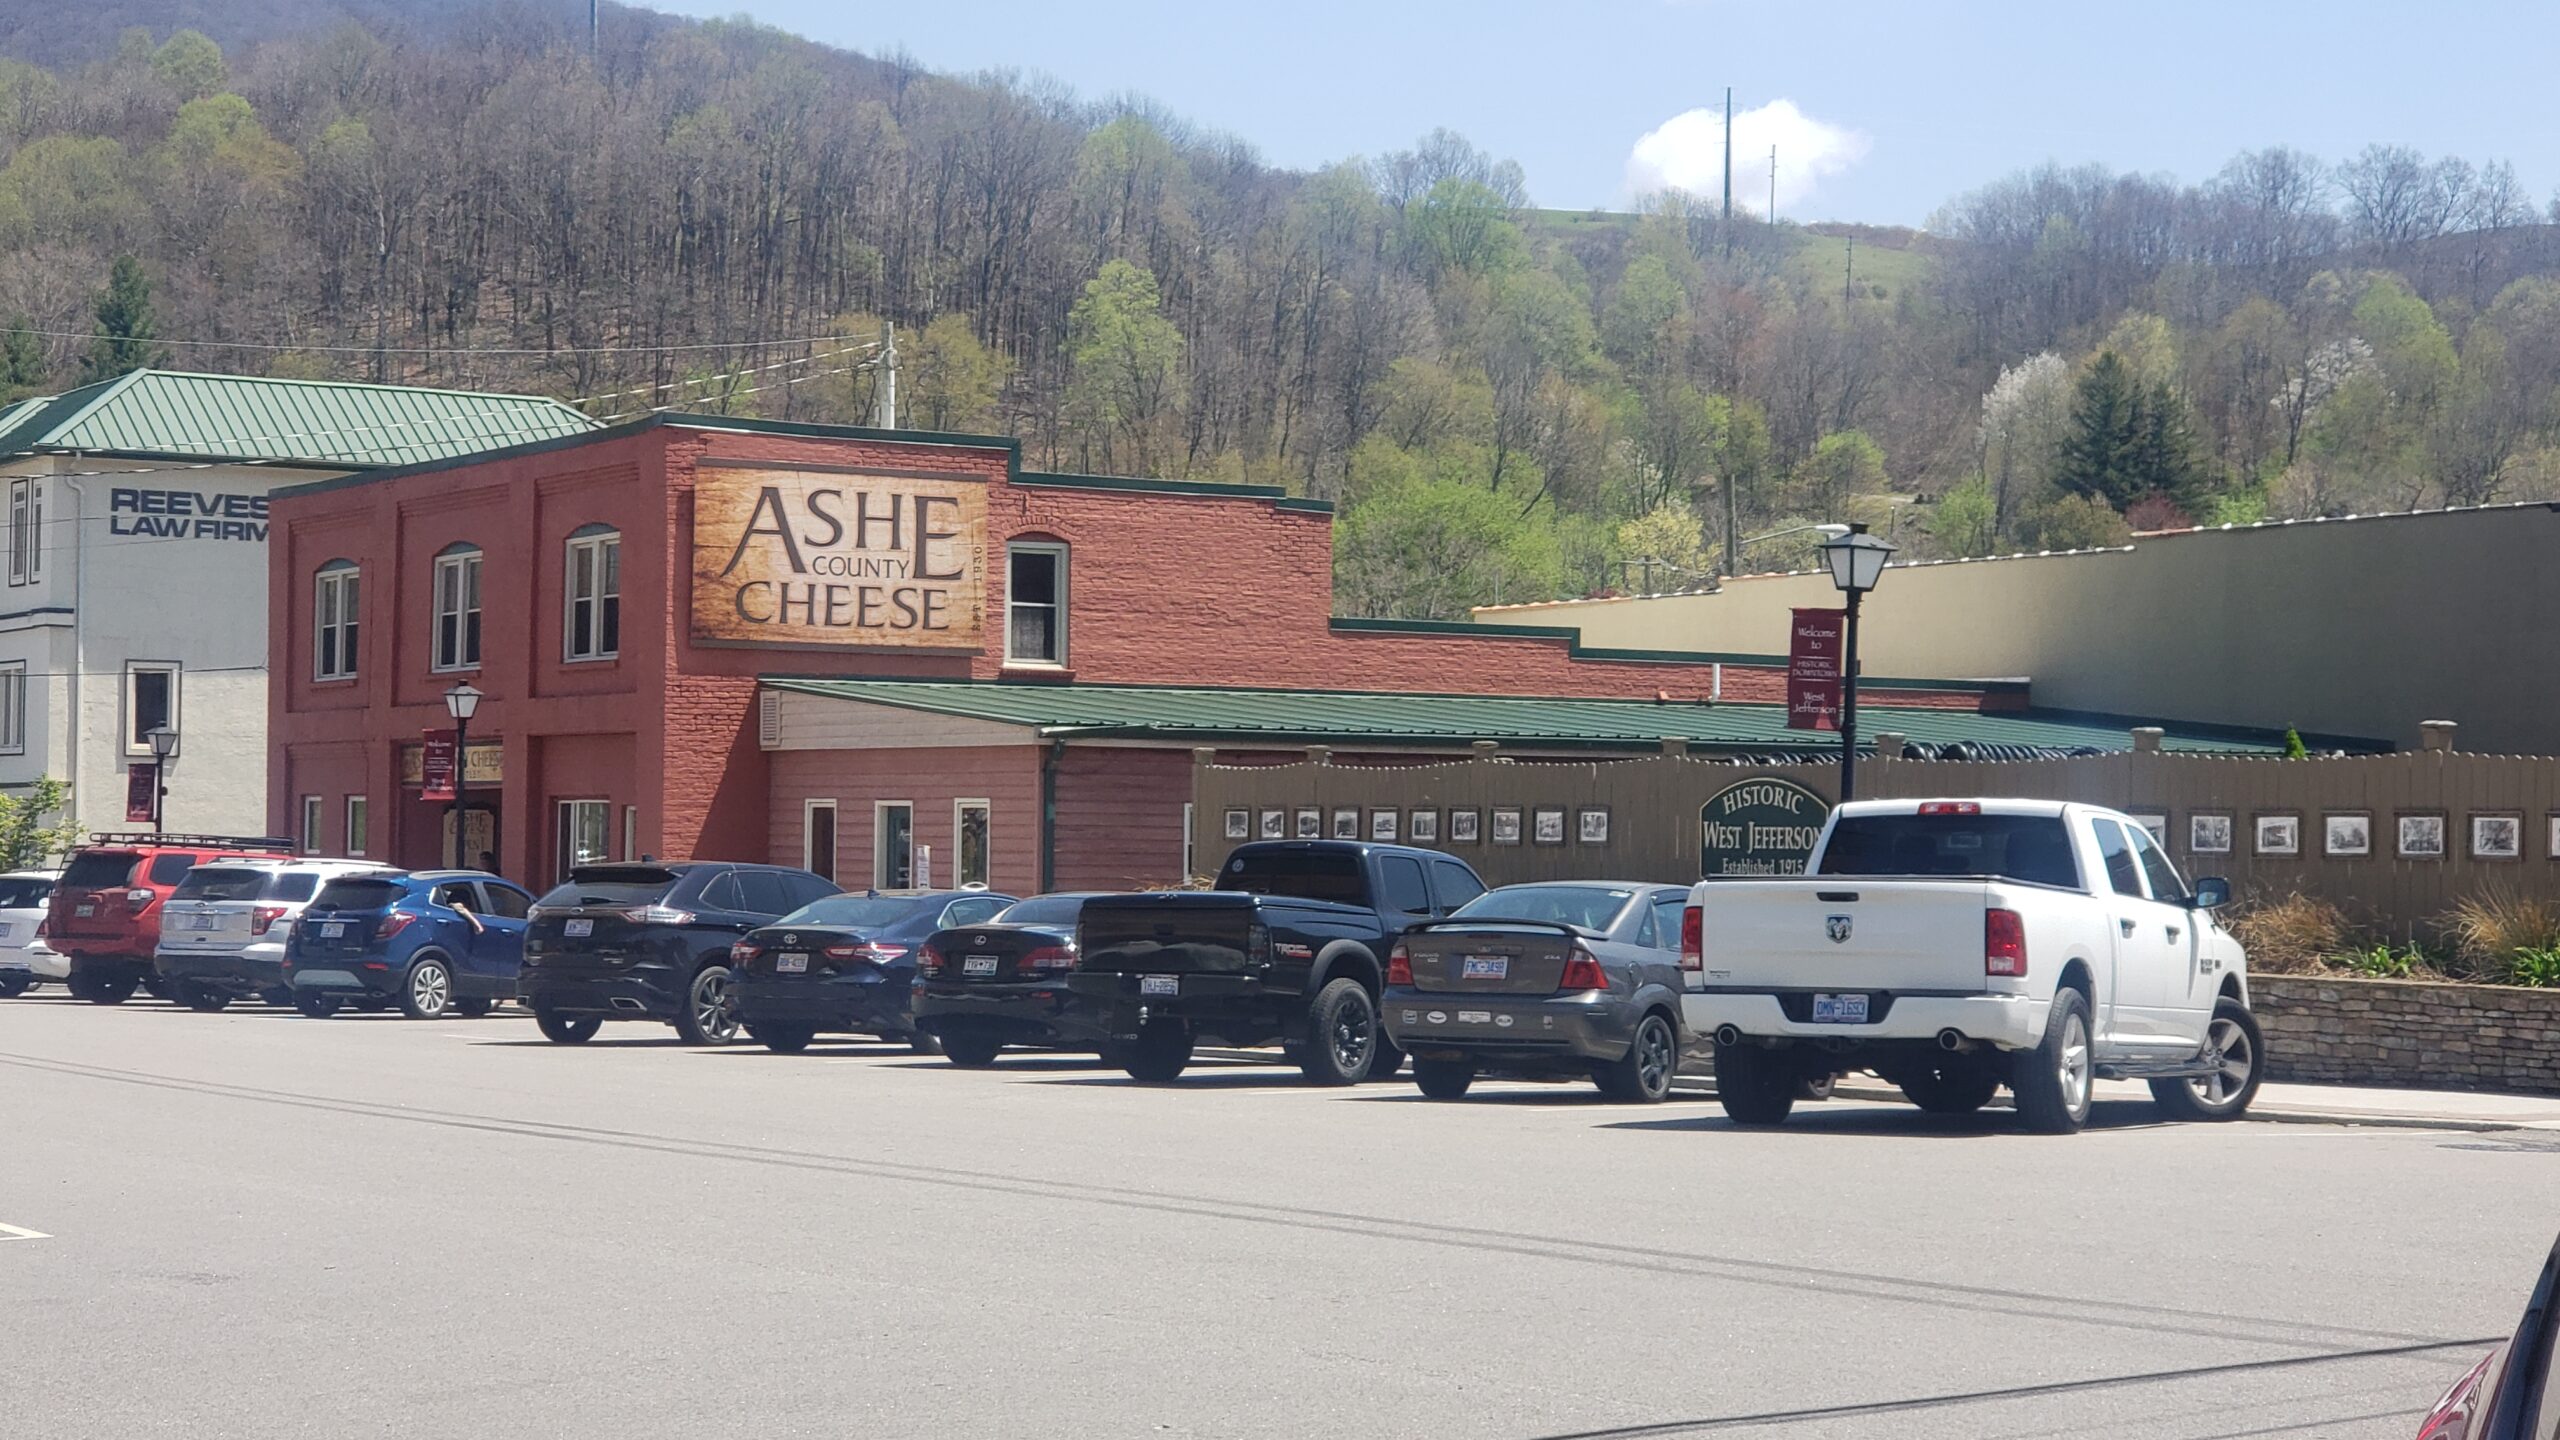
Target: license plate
{"x":1159,"y":984}
{"x":1839,"y":1009}
{"x":207,"y":922}
{"x":333,"y":930}
{"x":791,"y":962}
{"x":1484,"y":967}
{"x":978,"y":964}
{"x":578,"y":929}
{"x":85,"y":911}
{"x":1475,"y":1017}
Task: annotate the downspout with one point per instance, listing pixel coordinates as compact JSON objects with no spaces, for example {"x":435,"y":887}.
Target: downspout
{"x":1049,"y":815}
{"x":79,"y":628}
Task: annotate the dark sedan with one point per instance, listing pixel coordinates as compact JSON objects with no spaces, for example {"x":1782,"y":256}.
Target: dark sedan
{"x":2514,"y":1392}
{"x":980,"y":988}
{"x":1547,"y":981}
{"x":846,"y":965}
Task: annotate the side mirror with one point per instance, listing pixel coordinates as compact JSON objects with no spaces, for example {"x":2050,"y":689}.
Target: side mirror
{"x":2212,"y":893}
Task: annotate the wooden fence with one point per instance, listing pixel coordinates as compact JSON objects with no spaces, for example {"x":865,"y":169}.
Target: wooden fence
{"x":2395,"y":840}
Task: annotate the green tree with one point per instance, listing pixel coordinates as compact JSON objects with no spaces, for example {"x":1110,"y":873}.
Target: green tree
{"x":1665,"y":546}
{"x":124,"y":336}
{"x":1464,"y":227}
{"x":23,"y":370}
{"x":957,"y":380}
{"x":1965,"y":520}
{"x":1432,"y":549}
{"x":1844,"y":465}
{"x":2102,"y":451}
{"x":191,"y":64}
{"x":36,"y":826}
{"x":1125,"y":362}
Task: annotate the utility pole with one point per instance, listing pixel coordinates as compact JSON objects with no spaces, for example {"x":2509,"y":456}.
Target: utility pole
{"x":884,"y":409}
{"x":1773,"y":184}
{"x":592,"y":7}
{"x":1848,"y":268}
{"x":1728,"y":172}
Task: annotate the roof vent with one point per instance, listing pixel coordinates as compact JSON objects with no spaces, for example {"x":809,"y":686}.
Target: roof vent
{"x":768,"y":719}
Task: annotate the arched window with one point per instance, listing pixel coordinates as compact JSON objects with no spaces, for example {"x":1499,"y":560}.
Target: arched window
{"x":456,"y":642}
{"x":591,"y":616}
{"x":1035,"y":603}
{"x":335,"y":615}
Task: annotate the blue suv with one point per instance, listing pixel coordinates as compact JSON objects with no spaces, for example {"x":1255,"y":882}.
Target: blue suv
{"x":429,"y":941}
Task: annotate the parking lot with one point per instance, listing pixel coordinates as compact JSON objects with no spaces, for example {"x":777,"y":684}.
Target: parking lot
{"x":257,"y":1224}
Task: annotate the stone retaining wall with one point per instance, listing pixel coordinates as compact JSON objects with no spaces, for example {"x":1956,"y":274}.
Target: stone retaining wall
{"x":2409,"y":1032}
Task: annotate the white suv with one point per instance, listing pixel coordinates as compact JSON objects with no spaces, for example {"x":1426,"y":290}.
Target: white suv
{"x":222,"y":931}
{"x":25,"y":960}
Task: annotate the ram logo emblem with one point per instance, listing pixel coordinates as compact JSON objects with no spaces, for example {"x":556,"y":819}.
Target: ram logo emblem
{"x":1839,"y":927}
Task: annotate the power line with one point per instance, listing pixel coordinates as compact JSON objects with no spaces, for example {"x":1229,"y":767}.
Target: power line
{"x":441,"y":349}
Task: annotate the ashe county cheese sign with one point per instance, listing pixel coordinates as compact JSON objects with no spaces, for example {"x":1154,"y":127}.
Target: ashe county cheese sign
{"x":1765,"y":826}
{"x":811,"y":556}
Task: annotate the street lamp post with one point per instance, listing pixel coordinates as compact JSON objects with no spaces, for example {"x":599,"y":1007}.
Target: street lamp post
{"x":461,"y":702}
{"x":164,"y":743}
{"x":1857,"y":562}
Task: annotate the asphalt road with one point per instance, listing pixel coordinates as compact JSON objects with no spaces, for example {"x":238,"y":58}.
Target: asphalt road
{"x":260,"y":1225}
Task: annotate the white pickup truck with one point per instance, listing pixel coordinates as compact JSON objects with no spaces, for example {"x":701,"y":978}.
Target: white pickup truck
{"x":1955,"y":946}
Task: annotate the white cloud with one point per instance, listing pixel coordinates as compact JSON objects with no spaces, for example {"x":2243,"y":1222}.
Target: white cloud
{"x":1686,"y":152}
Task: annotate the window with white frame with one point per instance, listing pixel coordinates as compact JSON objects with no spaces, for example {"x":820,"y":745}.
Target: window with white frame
{"x":893,"y":844}
{"x":310,"y":824}
{"x":150,"y":701}
{"x":593,"y":613}
{"x":1035,"y":603}
{"x":585,"y":830}
{"x":334,"y":618}
{"x":26,"y":531}
{"x":970,"y":823}
{"x":359,"y":824}
{"x":13,"y":708}
{"x":457,"y":633}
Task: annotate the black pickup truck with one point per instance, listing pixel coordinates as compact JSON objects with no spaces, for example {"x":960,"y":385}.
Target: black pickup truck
{"x":1291,"y":947}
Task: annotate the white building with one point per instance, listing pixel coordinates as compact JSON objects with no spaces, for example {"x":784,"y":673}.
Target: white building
{"x":136,"y":595}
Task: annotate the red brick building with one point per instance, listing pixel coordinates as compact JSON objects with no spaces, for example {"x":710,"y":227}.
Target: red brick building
{"x":618,"y":596}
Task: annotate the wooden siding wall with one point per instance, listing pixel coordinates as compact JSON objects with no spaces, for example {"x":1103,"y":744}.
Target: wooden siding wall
{"x":1653,"y":805}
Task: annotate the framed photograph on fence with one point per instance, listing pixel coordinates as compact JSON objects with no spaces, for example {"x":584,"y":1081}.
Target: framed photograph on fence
{"x":2279,"y":835}
{"x":2346,"y":834}
{"x":1506,"y":826}
{"x":1462,"y":827}
{"x":1382,"y":825}
{"x":1346,"y":823}
{"x":2155,"y":821}
{"x":1310,"y":823}
{"x":1592,"y":826}
{"x":1423,"y":826}
{"x":2497,"y":837}
{"x":1548,"y":826}
{"x":1275,"y":825}
{"x":2208,"y":834}
{"x":1239,"y":824}
{"x":2421,"y":837}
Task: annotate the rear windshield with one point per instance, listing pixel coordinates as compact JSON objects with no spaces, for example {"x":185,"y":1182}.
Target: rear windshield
{"x":2033,"y":848}
{"x":23,"y":892}
{"x":1043,"y":910}
{"x":98,"y":869}
{"x":613,"y":885}
{"x":292,"y":884}
{"x":856,"y":912}
{"x":358,"y":895}
{"x":221,"y":882}
{"x":1587,"y":906}
{"x":1304,"y":874}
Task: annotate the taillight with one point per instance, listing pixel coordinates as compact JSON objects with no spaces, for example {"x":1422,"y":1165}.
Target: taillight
{"x":928,"y":960}
{"x":263,"y":916}
{"x":1257,"y":943}
{"x":1951,"y":807}
{"x":392,"y":924}
{"x":1582,"y":972}
{"x":1693,"y":939}
{"x":744,"y":951}
{"x":875,"y":951}
{"x":1399,"y":965}
{"x":657,"y":915}
{"x":2004,"y":943}
{"x":140,"y":900}
{"x":1045,"y":959}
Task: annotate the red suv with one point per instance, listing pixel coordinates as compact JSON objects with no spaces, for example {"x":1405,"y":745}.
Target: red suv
{"x":105,"y":912}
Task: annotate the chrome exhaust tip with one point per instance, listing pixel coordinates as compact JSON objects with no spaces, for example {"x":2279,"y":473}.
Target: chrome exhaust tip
{"x":1728,"y":1035}
{"x":1952,"y":1039}
{"x":625,"y":1002}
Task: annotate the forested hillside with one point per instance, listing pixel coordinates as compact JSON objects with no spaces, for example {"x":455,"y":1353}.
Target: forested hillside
{"x":1507,"y":403}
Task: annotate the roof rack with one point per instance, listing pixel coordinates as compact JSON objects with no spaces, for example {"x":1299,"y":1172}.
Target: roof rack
{"x":280,"y":843}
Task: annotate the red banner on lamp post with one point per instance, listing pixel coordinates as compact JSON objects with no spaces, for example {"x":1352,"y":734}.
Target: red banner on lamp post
{"x":1813,"y":670}
{"x":139,"y":783}
{"x":436,"y":761}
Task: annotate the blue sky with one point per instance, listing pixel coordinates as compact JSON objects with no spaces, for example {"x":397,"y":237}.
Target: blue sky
{"x":1890,"y":108}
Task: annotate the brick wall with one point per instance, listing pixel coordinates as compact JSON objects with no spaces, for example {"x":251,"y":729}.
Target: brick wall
{"x":1120,"y":818}
{"x":2406,"y":1032}
{"x":1006,"y":777}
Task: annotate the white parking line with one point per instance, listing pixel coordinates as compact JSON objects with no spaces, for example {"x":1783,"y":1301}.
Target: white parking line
{"x":13,"y":1232}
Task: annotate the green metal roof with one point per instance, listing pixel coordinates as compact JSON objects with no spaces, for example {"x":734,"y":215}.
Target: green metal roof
{"x":1342,"y":717}
{"x":307,"y":422}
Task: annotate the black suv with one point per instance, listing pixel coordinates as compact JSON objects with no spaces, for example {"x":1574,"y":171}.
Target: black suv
{"x":650,"y":942}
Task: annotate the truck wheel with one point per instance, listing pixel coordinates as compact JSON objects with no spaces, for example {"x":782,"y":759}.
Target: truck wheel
{"x":13,"y":986}
{"x":429,"y":992}
{"x":316,"y":1004}
{"x":1947,"y":1087}
{"x":109,"y":988}
{"x":783,"y":1038}
{"x":2225,"y":1094}
{"x":1444,"y":1079}
{"x":1159,"y":1053}
{"x":2052,"y":1082}
{"x":1652,"y":1058}
{"x":709,"y":1014}
{"x":1342,"y":1034}
{"x":205,"y":1000}
{"x":562,"y":1029}
{"x":1753,"y":1085}
{"x":971,"y":1049}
